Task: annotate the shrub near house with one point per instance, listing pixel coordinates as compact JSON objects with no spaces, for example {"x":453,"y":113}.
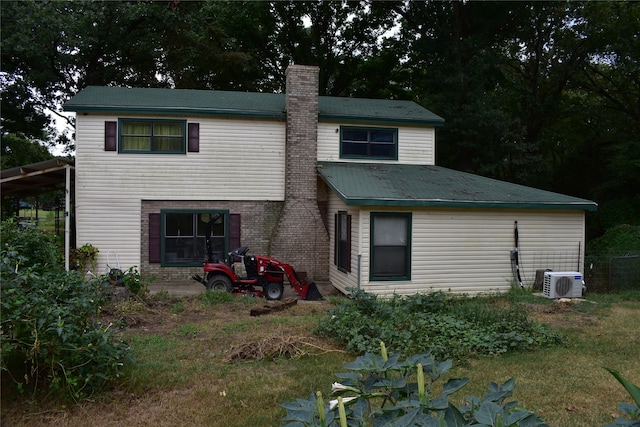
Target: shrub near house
{"x":50,"y":337}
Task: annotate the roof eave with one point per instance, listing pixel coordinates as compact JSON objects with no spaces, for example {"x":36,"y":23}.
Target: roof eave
{"x":177,"y":111}
{"x":378,"y":120}
{"x":466,"y":204}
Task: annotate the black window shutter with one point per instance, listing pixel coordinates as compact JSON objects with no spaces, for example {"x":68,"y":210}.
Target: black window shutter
{"x":110,"y":136}
{"x":349,"y":243}
{"x":193,"y":143}
{"x":234,"y":231}
{"x":155,"y":235}
{"x":336,"y":238}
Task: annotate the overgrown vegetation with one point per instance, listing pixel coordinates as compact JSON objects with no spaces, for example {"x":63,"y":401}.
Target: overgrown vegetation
{"x":621,"y":239}
{"x":451,"y":327}
{"x":52,"y":338}
{"x":613,"y":260}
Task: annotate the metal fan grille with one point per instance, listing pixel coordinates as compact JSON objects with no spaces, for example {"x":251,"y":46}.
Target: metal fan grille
{"x":563,"y":286}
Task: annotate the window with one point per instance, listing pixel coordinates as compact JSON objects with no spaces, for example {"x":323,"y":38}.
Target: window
{"x":343,"y":241}
{"x":184,"y":234}
{"x":152,"y":136}
{"x":374,"y":143}
{"x":390,"y":246}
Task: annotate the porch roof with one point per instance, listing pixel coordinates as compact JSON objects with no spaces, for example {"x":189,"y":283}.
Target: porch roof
{"x":403,"y":185}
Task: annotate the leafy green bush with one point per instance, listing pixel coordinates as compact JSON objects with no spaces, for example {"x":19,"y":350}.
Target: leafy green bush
{"x":383,"y":390}
{"x":449,"y":327}
{"x":35,"y":246}
{"x":132,"y":280}
{"x":621,"y":239}
{"x":51,"y":338}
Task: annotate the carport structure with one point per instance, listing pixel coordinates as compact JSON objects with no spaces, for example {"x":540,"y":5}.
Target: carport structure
{"x":38,"y":178}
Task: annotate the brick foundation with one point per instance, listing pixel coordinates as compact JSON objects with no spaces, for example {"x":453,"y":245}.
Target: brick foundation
{"x":259,"y":222}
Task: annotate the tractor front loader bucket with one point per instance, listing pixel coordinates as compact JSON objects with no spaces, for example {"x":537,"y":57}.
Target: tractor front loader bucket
{"x":312,"y":294}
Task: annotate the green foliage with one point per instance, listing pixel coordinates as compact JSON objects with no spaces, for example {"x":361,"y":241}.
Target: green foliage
{"x":131,"y":279}
{"x":34,"y":246}
{"x":177,"y":308}
{"x":51,"y":338}
{"x":136,"y":284}
{"x":18,"y":151}
{"x":382,"y":391}
{"x":457,"y":328}
{"x":632,"y":411}
{"x":621,"y":239}
{"x":215,"y":297}
{"x":86,"y":256}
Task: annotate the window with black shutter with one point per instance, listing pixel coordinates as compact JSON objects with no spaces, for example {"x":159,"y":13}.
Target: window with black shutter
{"x":342,"y":256}
{"x":177,"y":237}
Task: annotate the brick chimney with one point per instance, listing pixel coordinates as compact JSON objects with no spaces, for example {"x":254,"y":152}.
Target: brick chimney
{"x":301,"y":238}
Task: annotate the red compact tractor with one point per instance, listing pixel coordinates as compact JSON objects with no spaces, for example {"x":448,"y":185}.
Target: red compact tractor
{"x":255,"y":275}
{"x":251,"y":274}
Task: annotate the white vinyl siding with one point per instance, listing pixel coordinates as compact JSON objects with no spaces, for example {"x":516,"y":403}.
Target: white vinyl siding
{"x":468,"y":250}
{"x":238,"y":160}
{"x":416,"y":145}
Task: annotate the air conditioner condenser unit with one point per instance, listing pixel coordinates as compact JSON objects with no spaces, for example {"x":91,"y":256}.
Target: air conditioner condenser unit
{"x":562,"y":284}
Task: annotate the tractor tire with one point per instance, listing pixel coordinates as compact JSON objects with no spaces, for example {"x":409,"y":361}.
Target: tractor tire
{"x":274,"y":290}
{"x":219,"y":282}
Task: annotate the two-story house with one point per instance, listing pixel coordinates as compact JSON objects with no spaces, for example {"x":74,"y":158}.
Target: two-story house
{"x":344,"y":189}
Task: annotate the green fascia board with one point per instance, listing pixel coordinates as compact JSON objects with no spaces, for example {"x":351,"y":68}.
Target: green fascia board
{"x":404,"y":185}
{"x":190,"y":102}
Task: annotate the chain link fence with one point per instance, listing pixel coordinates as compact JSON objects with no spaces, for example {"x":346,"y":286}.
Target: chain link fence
{"x":605,"y":272}
{"x":608,"y":272}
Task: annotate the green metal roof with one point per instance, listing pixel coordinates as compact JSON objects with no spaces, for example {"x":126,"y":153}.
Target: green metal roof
{"x":376,"y":111}
{"x":119,"y":100}
{"x":383,"y":184}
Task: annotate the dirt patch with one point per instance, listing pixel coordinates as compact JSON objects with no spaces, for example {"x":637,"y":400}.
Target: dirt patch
{"x":563,"y":313}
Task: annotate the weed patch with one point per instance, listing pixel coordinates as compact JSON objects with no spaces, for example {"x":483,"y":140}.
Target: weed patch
{"x":452,"y":328}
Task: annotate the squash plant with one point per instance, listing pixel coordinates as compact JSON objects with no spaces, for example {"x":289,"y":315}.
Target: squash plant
{"x":381,"y":390}
{"x":631,"y":411}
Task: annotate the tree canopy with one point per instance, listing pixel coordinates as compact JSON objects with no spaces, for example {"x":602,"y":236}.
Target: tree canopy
{"x":545,"y":94}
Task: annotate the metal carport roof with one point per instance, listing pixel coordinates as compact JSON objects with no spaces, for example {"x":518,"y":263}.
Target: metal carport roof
{"x":37,"y":178}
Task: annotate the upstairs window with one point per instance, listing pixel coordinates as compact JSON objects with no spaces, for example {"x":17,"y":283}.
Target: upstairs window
{"x":152,"y":136}
{"x":368,"y":143}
